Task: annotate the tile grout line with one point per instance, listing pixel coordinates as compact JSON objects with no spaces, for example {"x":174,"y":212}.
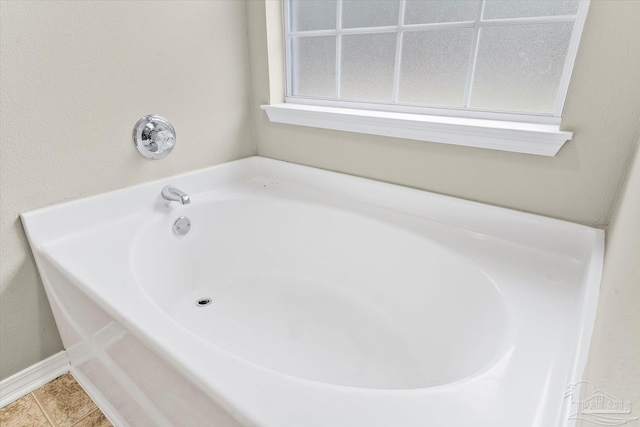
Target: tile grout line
{"x":44,"y":411}
{"x":85,"y":416}
{"x":88,"y":413}
{"x":50,"y":420}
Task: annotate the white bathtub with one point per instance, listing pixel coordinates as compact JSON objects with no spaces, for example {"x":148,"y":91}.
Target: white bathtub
{"x":335,"y":301}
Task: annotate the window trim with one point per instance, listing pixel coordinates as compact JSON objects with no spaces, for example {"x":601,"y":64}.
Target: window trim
{"x":519,"y":137}
{"x":432,"y":111}
{"x":510,"y":131}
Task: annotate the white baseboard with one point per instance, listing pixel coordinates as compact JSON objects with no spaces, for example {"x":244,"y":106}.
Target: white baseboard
{"x":27,"y":380}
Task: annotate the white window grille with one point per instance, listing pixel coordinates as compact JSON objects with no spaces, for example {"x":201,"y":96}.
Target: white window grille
{"x":490,"y":59}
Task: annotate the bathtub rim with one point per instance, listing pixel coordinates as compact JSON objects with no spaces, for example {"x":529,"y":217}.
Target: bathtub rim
{"x":589,"y":286}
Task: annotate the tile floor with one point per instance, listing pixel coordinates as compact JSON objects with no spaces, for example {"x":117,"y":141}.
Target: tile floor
{"x":60,"y":403}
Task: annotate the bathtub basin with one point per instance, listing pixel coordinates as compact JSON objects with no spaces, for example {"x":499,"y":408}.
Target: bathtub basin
{"x":303,"y":297}
{"x":291,"y":292}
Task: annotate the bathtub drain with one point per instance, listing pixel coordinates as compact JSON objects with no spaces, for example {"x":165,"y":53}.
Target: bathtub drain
{"x":203,"y":302}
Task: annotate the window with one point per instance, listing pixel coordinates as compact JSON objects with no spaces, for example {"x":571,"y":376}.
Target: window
{"x":495,"y":61}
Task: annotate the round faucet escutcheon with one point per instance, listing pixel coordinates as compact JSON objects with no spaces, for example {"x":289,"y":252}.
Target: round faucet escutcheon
{"x":154,"y":136}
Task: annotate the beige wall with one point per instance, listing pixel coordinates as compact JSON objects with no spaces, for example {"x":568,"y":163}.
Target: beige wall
{"x":580,"y":184}
{"x":75,"y":78}
{"x":614,"y":359}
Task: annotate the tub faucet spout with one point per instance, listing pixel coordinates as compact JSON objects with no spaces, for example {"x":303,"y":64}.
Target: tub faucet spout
{"x":172,"y":194}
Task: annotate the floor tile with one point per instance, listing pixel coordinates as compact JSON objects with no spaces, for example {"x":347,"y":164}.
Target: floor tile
{"x":94,"y":419}
{"x":64,"y":400}
{"x":24,"y":412}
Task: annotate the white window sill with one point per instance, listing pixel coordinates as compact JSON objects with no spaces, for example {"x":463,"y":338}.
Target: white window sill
{"x":519,"y":137}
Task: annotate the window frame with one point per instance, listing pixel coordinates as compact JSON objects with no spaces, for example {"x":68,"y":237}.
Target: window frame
{"x":432,"y":110}
{"x":513,"y":132}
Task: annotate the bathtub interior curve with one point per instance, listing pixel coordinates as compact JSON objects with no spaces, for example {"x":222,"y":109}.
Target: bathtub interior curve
{"x":323,"y":294}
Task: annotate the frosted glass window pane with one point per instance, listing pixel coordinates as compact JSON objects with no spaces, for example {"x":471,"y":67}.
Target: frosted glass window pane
{"x":313,"y":15}
{"x":430,"y":11}
{"x":313,"y":66}
{"x":519,"y":68}
{"x":367,"y":66}
{"x":366,"y":13}
{"x":434,"y":67}
{"x":500,"y":9}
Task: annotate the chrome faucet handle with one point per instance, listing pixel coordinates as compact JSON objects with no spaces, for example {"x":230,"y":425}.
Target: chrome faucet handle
{"x":174,"y":195}
{"x":163,"y":139}
{"x":154,"y":137}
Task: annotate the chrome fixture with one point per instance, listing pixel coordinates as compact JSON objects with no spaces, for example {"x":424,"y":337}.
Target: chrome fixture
{"x":172,"y":194}
{"x":154,"y":137}
{"x":182,"y":226}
